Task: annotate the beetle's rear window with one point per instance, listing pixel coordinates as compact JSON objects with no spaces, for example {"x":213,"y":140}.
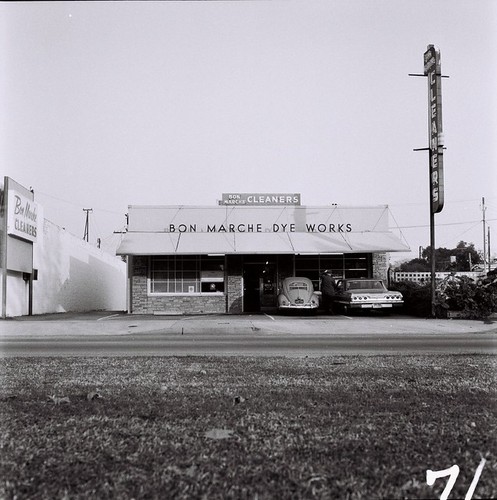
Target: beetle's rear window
{"x":298,"y":285}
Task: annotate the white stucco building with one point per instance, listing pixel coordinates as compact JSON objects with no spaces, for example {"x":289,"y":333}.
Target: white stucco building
{"x":45,"y":269}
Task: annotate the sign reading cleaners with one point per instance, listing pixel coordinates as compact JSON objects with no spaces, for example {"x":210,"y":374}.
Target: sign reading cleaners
{"x":260,"y":199}
{"x":433,"y":71}
{"x":22,"y":217}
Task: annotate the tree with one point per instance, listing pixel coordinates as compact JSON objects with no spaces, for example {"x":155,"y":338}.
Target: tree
{"x":464,"y":253}
{"x":415,"y":266}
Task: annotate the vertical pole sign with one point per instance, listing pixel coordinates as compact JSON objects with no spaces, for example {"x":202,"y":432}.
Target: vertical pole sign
{"x":432,"y":70}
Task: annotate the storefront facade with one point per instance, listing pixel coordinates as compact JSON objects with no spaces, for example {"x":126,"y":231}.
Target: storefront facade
{"x":232,"y":258}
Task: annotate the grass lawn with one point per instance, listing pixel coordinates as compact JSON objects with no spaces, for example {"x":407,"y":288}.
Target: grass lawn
{"x":236,"y":427}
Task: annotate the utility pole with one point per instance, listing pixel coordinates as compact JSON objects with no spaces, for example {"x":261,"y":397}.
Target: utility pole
{"x":489,"y":258}
{"x":86,"y":236}
{"x":483,"y":208}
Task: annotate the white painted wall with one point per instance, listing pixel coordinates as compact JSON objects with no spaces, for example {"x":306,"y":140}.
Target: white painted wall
{"x":17,"y":294}
{"x":72,"y":276}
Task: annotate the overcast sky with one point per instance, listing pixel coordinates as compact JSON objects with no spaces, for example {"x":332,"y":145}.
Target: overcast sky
{"x":103,"y":105}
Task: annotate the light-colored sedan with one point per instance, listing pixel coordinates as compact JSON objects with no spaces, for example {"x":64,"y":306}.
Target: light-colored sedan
{"x":297,"y":294}
{"x":366,"y":294}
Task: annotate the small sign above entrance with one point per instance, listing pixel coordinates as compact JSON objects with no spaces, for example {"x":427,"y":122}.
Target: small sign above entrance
{"x":22,"y":216}
{"x":260,"y":199}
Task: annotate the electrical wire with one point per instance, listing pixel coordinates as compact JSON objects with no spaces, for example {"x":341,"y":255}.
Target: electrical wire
{"x":447,"y":203}
{"x":444,"y":224}
{"x":75,"y":204}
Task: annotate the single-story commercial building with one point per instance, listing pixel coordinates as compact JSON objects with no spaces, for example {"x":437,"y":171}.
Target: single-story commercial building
{"x":45,"y":269}
{"x":231,"y":258}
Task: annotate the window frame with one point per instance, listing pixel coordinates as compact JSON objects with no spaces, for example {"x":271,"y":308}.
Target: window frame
{"x":173,"y":267}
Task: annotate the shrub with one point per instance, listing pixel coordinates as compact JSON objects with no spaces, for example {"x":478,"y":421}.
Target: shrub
{"x":472,"y":300}
{"x":417,"y":297}
{"x":457,"y":293}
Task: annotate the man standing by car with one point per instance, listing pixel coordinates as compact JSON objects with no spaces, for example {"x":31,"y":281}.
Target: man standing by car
{"x":327,"y":290}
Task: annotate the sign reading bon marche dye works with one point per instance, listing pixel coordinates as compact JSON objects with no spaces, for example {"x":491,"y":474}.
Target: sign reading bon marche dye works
{"x":22,"y":220}
{"x":237,"y":219}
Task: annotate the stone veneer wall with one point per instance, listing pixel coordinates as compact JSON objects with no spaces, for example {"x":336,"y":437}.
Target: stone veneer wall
{"x":142,"y":303}
{"x":380,"y":265}
{"x":235,"y":284}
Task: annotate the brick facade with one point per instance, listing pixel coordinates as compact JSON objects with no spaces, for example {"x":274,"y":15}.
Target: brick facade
{"x":380,"y":265}
{"x":230,"y":302}
{"x":143,"y":303}
{"x":181,"y":305}
{"x":235,"y":285}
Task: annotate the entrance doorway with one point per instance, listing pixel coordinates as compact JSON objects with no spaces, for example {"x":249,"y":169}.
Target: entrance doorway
{"x":259,"y":286}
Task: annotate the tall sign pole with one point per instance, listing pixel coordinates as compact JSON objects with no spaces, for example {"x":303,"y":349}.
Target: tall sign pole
{"x":432,"y":70}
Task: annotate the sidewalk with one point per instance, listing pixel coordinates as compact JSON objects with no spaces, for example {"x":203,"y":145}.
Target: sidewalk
{"x":104,"y":323}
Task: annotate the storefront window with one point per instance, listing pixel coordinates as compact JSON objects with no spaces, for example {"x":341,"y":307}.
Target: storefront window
{"x":186,"y":274}
{"x":208,"y":287}
{"x":343,"y":266}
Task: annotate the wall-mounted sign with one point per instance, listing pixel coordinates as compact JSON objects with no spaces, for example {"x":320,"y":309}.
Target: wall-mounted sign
{"x":22,"y":219}
{"x":433,"y":71}
{"x":222,"y":230}
{"x":260,"y":199}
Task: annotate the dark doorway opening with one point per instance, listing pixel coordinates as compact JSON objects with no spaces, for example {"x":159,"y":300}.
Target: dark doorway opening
{"x":259,"y":286}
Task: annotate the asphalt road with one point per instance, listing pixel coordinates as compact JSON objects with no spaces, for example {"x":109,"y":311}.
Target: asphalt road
{"x":104,"y":334}
{"x":251,"y":345}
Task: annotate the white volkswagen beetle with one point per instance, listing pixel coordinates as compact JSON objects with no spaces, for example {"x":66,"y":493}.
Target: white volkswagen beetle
{"x":297,"y":294}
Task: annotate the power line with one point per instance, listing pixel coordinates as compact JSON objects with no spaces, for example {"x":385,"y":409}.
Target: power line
{"x":467,"y":230}
{"x":444,"y":224}
{"x":75,"y":204}
{"x":447,"y":203}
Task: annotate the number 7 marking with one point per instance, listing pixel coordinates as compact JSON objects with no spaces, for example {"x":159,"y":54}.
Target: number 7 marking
{"x":432,"y":475}
{"x":453,"y":472}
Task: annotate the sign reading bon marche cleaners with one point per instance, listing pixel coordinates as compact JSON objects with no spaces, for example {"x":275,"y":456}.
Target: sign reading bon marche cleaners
{"x":22,"y":220}
{"x":260,"y":199}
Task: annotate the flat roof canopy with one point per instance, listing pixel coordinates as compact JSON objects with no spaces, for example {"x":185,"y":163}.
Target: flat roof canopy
{"x":186,"y":230}
{"x":264,"y":243}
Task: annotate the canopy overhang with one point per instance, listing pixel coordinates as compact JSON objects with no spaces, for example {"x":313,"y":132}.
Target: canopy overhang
{"x":164,"y":243}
